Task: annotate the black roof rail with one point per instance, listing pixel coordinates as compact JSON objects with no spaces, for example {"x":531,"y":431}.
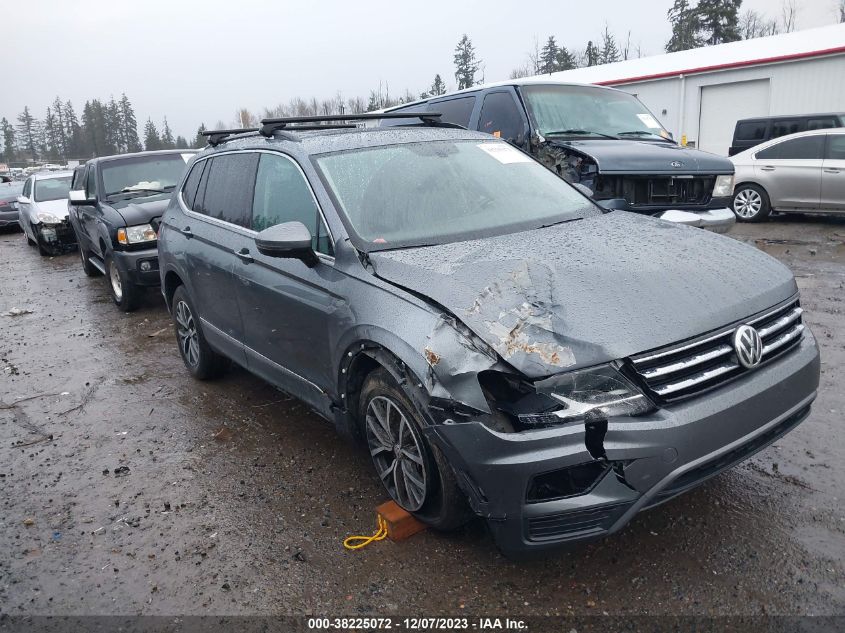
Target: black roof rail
{"x":268,"y":126}
{"x":215,"y":137}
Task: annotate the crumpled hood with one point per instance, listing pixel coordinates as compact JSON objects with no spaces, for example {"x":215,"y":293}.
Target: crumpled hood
{"x":645,"y":157}
{"x":142,"y":210}
{"x":592,"y":290}
{"x":56,"y":207}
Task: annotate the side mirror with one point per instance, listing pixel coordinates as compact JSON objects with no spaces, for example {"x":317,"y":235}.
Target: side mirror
{"x":583,"y":189}
{"x":23,"y":200}
{"x":290,"y":240}
{"x":78,"y":196}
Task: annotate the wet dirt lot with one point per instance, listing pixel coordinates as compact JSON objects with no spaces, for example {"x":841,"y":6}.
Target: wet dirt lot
{"x":126,"y":487}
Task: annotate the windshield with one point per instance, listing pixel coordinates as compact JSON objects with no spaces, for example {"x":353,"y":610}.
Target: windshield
{"x":52,"y":188}
{"x":157,"y":173}
{"x":583,"y":111}
{"x":446,"y":191}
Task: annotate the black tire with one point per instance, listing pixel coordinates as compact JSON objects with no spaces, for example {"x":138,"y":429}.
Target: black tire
{"x":87,"y":266}
{"x":202,"y":362}
{"x":751,"y":203}
{"x":124,"y":293}
{"x":443,"y":505}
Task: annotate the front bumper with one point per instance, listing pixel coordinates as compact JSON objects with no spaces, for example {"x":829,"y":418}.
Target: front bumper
{"x":716,"y":220}
{"x":56,"y":237}
{"x":140,"y":267}
{"x":657,"y":456}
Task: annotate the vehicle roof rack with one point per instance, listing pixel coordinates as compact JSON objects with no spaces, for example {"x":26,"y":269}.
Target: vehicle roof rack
{"x":215,"y":137}
{"x":269,"y":126}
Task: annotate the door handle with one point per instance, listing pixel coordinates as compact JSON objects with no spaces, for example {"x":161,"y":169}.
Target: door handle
{"x":186,"y":232}
{"x":830,"y":170}
{"x":767,"y":168}
{"x":244,"y":256}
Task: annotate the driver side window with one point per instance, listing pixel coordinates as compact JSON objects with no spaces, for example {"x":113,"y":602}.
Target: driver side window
{"x":283,"y":195}
{"x":27,"y":188}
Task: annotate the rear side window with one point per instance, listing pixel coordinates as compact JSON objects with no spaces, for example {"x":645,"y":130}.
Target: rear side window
{"x":822,"y":123}
{"x":283,"y":195}
{"x":500,"y":117}
{"x":27,"y":188}
{"x":457,"y":111}
{"x":807,"y":148}
{"x":189,"y":191}
{"x":787,"y":126}
{"x":836,"y":147}
{"x":228,"y":192}
{"x":91,"y":183}
{"x":751,"y":131}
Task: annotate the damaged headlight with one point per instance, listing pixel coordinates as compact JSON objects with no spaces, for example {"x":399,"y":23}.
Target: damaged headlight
{"x":47,"y":218}
{"x":724,"y":186}
{"x":596,"y":393}
{"x":136,"y":234}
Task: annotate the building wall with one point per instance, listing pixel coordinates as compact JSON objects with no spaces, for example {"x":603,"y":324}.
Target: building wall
{"x":795,"y":87}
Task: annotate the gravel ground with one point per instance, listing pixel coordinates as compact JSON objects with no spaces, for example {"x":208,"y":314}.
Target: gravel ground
{"x":128,"y":488}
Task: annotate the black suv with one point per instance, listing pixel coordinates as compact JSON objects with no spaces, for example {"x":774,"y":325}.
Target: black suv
{"x":495,"y":338}
{"x":115,"y":203}
{"x":602,"y":138}
{"x":750,"y":133}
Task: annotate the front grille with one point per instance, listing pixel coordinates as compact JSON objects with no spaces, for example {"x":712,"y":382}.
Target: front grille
{"x":687,"y":369}
{"x":576,"y":523}
{"x":668,"y":191}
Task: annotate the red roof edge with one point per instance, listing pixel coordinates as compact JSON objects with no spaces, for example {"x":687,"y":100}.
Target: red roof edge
{"x":740,"y":64}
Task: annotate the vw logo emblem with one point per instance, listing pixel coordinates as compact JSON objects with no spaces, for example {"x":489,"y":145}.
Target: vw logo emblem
{"x":748,"y":346}
{"x":676,"y":164}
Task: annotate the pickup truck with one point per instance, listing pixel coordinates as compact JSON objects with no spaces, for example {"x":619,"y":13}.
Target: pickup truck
{"x":115,"y":204}
{"x":600,"y":138}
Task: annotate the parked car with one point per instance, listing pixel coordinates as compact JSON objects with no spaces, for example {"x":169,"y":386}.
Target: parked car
{"x":115,"y":205}
{"x":495,"y":338}
{"x":602,"y":138}
{"x":42,"y":209}
{"x":801,"y":173}
{"x":9,"y":192}
{"x":749,"y":133}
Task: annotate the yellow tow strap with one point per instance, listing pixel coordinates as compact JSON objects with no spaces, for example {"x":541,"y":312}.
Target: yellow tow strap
{"x":357,"y":542}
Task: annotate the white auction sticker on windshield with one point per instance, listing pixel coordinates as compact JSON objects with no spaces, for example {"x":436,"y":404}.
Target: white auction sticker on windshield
{"x":187,"y":157}
{"x":650,"y":121}
{"x":504,"y":153}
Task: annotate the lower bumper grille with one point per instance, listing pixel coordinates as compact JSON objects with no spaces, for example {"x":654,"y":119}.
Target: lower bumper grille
{"x":686,"y":369}
{"x":578,"y":523}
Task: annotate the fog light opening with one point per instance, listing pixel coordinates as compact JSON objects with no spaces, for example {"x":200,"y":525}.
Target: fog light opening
{"x":146,"y":267}
{"x":567,"y":482}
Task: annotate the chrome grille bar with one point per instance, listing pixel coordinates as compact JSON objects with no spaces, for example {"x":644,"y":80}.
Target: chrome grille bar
{"x":681,"y":371}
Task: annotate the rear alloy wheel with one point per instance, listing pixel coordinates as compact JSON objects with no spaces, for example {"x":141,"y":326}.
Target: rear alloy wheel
{"x":414,"y":473}
{"x":124,"y":293}
{"x":202,"y":361}
{"x":751,"y":204}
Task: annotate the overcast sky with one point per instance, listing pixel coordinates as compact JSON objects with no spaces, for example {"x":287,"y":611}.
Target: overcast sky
{"x":198,"y":61}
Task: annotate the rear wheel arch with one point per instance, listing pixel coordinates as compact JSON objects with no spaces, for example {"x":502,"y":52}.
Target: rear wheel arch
{"x":172,"y":281}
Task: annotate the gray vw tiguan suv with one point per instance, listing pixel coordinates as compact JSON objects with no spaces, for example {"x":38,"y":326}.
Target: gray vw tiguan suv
{"x":500,"y":344}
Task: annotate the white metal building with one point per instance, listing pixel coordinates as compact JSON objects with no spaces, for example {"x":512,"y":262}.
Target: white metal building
{"x":701,"y":93}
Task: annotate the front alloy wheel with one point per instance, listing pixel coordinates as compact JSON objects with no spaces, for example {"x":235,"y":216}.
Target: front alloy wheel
{"x":397,"y":453}
{"x":751,"y":204}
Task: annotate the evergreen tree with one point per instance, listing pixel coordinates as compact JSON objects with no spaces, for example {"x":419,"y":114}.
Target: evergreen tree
{"x":151,"y":138}
{"x":591,"y":55}
{"x":129,"y":125}
{"x":609,"y":50}
{"x":565,"y":60}
{"x":52,"y":137}
{"x":93,"y":133}
{"x":719,"y":20}
{"x":115,"y":143}
{"x":686,"y":24}
{"x":182,"y":142}
{"x":466,"y":63}
{"x":200,"y":141}
{"x":28,"y":131}
{"x":8,"y":140}
{"x":61,"y":136}
{"x":73,"y":132}
{"x":547,"y":63}
{"x":438,"y":87}
{"x":167,"y":141}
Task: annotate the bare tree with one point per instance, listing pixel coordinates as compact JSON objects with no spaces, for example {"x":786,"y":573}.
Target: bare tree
{"x":840,"y":11}
{"x":534,"y":57}
{"x":789,"y":16}
{"x":526,"y":70}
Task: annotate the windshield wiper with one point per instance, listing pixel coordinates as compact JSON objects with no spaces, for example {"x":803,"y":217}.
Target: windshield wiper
{"x":543,"y":226}
{"x":642,"y":133}
{"x":130,"y":190}
{"x":580,"y":132}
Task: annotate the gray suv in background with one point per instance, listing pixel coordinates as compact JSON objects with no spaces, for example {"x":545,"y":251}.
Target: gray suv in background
{"x":501,"y":345}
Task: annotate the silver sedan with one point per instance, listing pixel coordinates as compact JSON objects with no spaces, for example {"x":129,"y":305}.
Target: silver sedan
{"x":798,"y":173}
{"x":43,"y":212}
